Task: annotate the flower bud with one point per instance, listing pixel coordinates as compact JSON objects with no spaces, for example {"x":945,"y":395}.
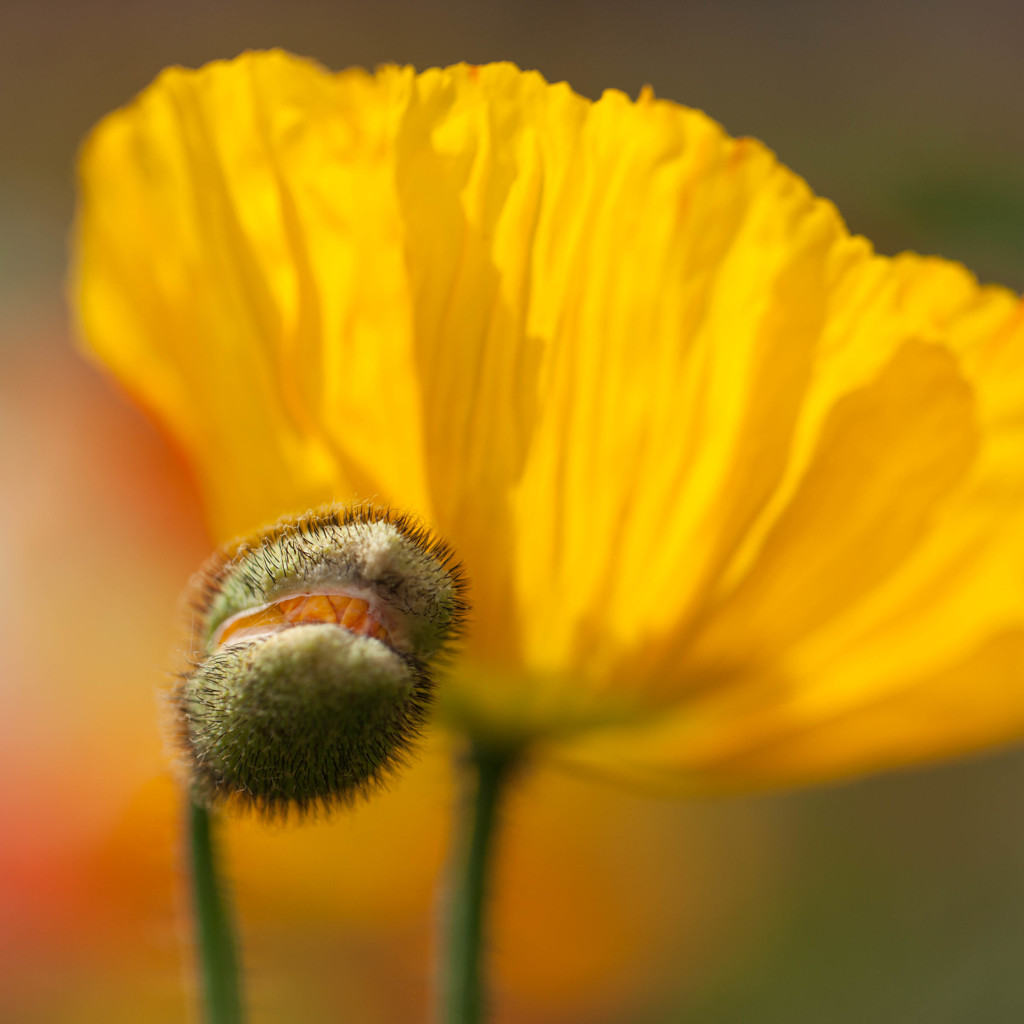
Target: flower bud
{"x":312,"y":645}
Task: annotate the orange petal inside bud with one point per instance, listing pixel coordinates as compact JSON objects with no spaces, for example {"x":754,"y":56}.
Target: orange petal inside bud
{"x":317,"y":608}
{"x":351,"y":612}
{"x":354,"y":613}
{"x":292,"y":607}
{"x":264,"y":620}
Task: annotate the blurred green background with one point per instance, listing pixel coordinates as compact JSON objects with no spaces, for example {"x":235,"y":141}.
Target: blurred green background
{"x":898,"y":899}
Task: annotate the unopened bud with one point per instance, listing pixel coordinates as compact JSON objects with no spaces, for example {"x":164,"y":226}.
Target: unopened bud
{"x":313,"y":644}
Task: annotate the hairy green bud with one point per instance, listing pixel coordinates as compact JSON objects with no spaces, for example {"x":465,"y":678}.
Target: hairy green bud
{"x":312,"y":649}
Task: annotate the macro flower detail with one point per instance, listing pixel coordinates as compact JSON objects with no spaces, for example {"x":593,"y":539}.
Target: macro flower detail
{"x":312,"y":647}
{"x":739,"y":498}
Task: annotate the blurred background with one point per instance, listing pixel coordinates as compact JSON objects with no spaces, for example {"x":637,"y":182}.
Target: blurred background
{"x":898,"y":899}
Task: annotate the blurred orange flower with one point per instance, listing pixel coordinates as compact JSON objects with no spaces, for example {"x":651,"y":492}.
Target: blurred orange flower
{"x":739,"y":498}
{"x":92,"y":901}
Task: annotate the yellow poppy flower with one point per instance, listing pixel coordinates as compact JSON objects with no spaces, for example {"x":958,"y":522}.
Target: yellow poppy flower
{"x":739,"y":499}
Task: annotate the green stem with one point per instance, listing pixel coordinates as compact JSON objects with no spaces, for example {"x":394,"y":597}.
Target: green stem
{"x":219,"y":966}
{"x":464,"y":990}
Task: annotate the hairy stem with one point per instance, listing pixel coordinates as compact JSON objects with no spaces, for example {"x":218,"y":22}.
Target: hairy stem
{"x":464,"y":996}
{"x":222,"y":999}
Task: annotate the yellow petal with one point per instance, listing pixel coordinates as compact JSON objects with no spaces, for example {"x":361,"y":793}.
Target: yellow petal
{"x":911,"y":432}
{"x":240,"y":268}
{"x":702,"y":453}
{"x":830,"y":653}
